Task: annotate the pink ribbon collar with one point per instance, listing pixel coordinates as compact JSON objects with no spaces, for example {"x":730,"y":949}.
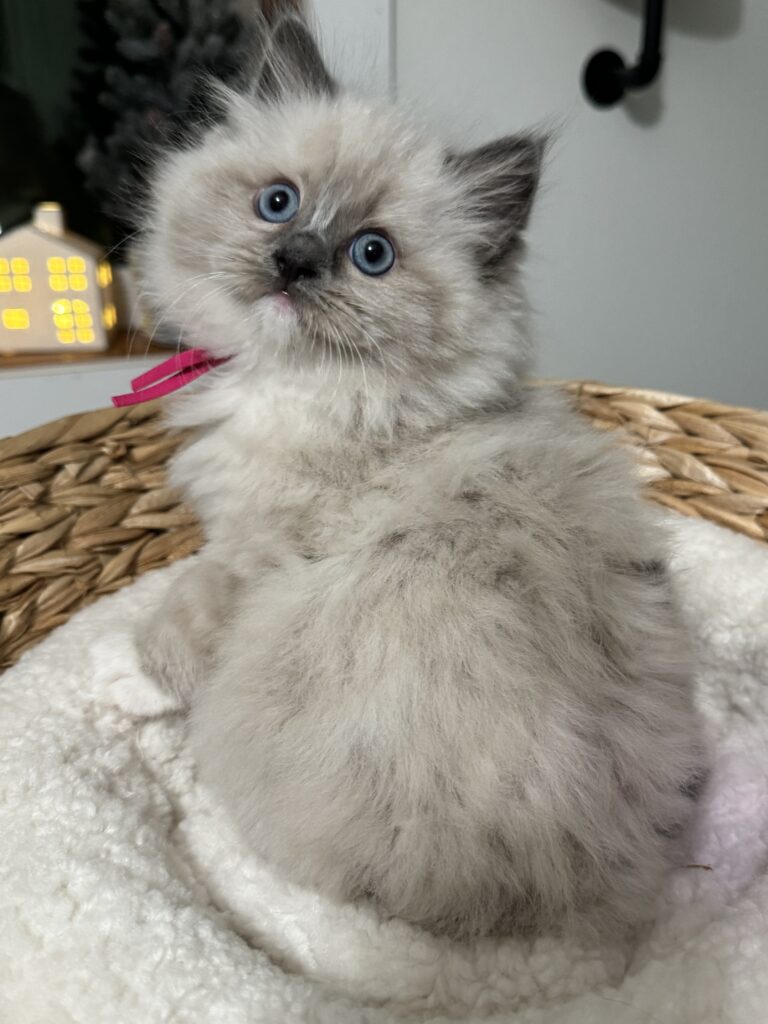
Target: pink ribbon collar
{"x":168,"y":376}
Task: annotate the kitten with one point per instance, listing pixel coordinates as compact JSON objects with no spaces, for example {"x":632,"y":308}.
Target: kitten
{"x":429,"y":652}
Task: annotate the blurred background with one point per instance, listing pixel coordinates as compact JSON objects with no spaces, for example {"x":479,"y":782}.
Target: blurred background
{"x":649,"y":246}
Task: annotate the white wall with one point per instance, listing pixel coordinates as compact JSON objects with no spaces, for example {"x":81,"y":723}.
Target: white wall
{"x":649,"y":261}
{"x":37,"y":394}
{"x":357,"y":37}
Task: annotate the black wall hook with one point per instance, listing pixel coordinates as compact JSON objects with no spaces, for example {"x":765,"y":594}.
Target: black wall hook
{"x":606,"y":77}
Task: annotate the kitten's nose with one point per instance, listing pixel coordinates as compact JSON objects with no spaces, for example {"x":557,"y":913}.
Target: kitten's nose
{"x":302,"y":256}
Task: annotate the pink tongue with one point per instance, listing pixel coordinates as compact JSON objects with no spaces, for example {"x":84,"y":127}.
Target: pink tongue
{"x":168,"y":376}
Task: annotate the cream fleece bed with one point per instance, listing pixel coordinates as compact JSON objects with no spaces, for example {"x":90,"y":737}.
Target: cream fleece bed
{"x":124,"y":897}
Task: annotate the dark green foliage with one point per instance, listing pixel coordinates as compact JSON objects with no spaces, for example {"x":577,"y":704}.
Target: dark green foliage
{"x":144,"y":87}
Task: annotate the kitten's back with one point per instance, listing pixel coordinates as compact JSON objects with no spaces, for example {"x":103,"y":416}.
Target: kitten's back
{"x":472,"y":706}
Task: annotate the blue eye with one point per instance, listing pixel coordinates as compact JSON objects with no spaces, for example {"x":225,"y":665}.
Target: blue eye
{"x":372,"y":253}
{"x":278,"y":203}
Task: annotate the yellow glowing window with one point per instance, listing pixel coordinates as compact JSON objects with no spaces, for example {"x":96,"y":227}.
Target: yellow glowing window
{"x":86,"y":337}
{"x":78,"y":282}
{"x":65,"y":321}
{"x":65,"y":337}
{"x":83,"y":320}
{"x":78,"y":306}
{"x":22,"y":283}
{"x":58,"y":282}
{"x":5,"y":283}
{"x":109,"y":316}
{"x":15,"y":319}
{"x":62,"y":306}
{"x":56,"y":265}
{"x":75,"y":264}
{"x":104,"y":275}
{"x":19,"y":265}
{"x":5,"y":267}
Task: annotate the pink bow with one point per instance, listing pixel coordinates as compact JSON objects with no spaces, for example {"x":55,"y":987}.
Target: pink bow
{"x":168,"y":376}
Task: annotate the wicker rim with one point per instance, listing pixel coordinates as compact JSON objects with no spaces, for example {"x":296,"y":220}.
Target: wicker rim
{"x":85,"y":507}
{"x":699,"y":457}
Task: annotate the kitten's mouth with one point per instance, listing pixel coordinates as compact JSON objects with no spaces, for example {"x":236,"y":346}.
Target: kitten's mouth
{"x":283,"y":300}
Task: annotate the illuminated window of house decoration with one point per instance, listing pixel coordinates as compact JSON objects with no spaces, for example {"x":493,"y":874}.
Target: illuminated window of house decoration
{"x":109,"y":315}
{"x":15,"y":319}
{"x":14,"y":275}
{"x":73,"y":321}
{"x":67,"y":273}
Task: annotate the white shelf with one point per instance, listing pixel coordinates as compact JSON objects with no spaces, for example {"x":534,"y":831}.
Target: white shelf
{"x":31,"y":395}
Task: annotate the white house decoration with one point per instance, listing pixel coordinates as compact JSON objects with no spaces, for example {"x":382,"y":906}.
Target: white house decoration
{"x":55,"y":288}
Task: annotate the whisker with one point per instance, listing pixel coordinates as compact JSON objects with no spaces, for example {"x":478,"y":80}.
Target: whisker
{"x":190,"y":284}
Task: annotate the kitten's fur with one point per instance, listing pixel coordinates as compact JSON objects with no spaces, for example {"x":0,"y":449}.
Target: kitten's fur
{"x":429,"y":650}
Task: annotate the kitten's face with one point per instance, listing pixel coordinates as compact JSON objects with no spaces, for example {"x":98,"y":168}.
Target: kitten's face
{"x":320,"y":232}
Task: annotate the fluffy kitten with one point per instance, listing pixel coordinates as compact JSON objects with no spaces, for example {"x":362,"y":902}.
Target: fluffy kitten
{"x":429,"y":650}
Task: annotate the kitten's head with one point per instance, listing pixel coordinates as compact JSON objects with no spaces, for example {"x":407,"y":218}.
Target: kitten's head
{"x":328,"y":236}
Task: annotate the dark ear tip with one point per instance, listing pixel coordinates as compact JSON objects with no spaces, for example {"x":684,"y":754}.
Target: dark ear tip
{"x":528,"y":152}
{"x":289,"y":32}
{"x":291,"y":63}
{"x":291,"y":35}
{"x":533,"y":148}
{"x":275,"y":10}
{"x":542,"y":143}
{"x":289,"y":26}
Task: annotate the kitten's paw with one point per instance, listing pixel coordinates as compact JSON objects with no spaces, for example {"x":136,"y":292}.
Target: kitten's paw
{"x":140,"y":697}
{"x":123,"y":684}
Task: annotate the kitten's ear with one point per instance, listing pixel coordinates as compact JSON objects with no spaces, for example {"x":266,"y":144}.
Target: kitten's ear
{"x":291,"y":64}
{"x":501,"y":180}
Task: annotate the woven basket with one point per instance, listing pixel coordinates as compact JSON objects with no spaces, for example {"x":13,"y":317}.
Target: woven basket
{"x":85,"y":509}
